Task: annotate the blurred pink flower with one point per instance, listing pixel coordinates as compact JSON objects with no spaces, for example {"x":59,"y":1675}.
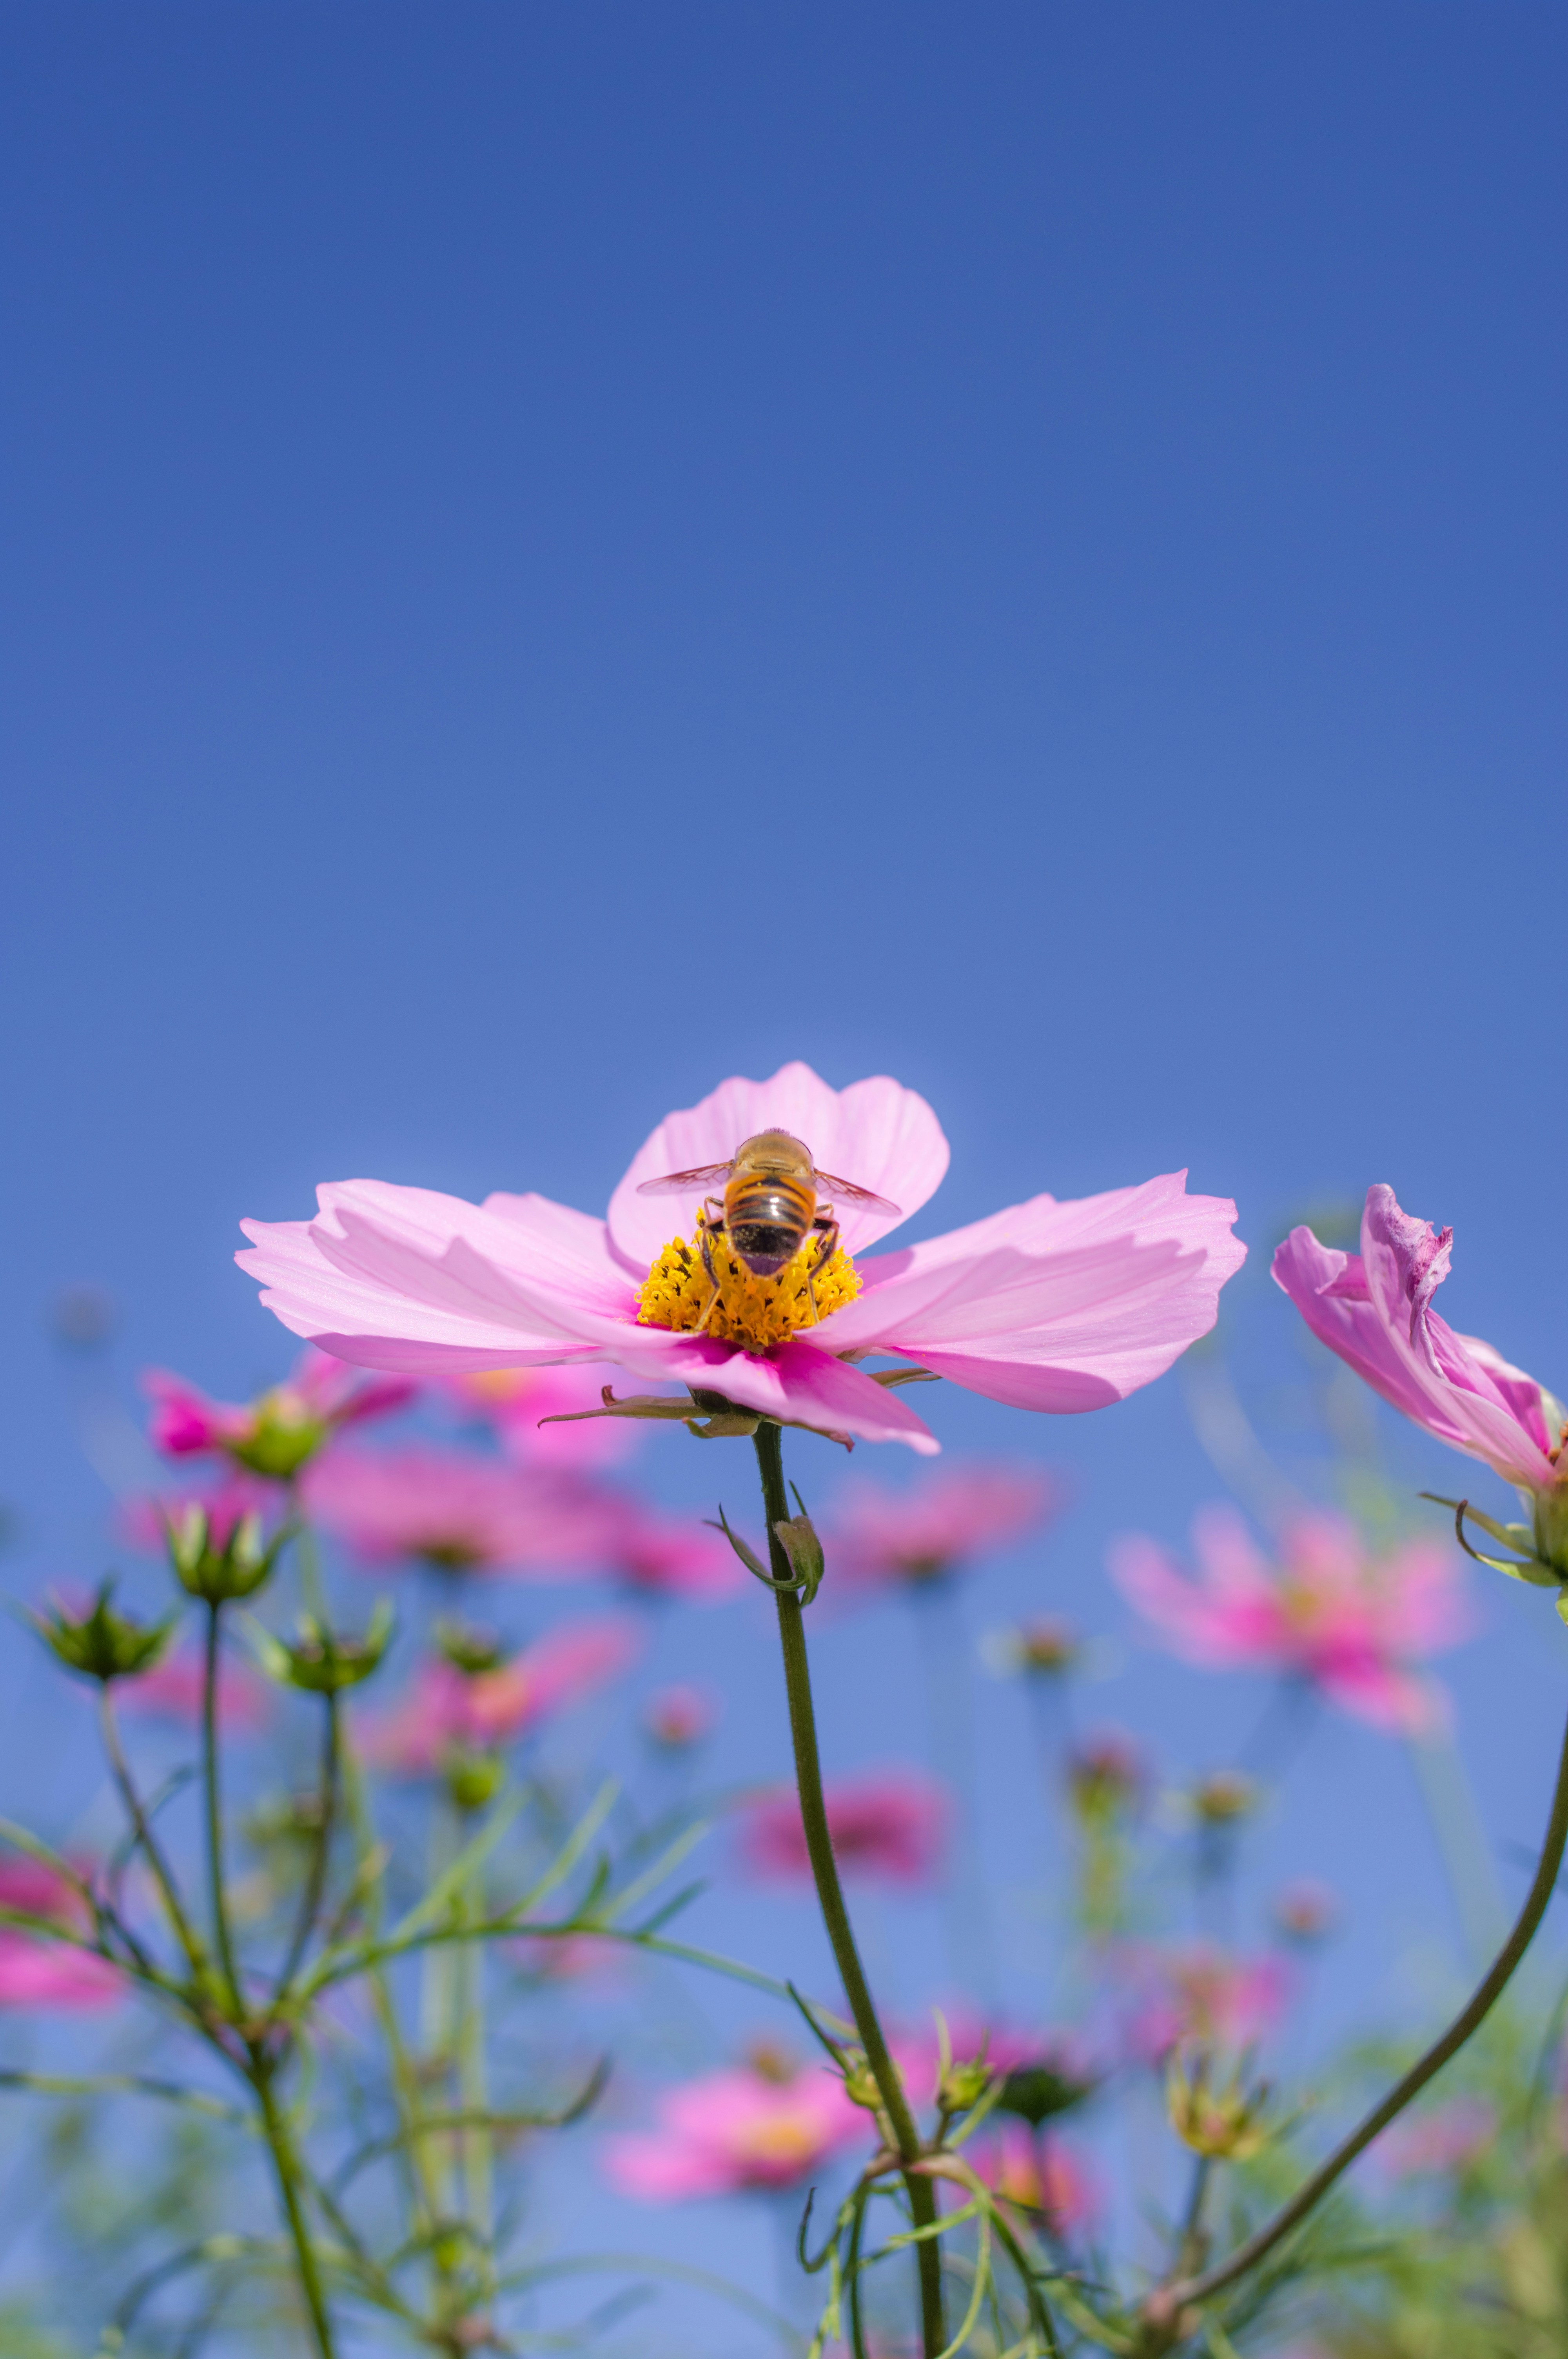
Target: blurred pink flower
{"x":276,"y":1433}
{"x":1047,"y":1306}
{"x":1330,"y":1611}
{"x":678,"y":1717}
{"x":1034,"y":2170}
{"x":460,"y":1512}
{"x":1305,"y":1912}
{"x":762,"y":2124}
{"x":1442,"y":2137}
{"x":936,"y":1524}
{"x":516,"y":1401}
{"x":446,"y":1708}
{"x":892,"y":1823}
{"x":1374,"y":1309}
{"x":38,"y":1973}
{"x":1199,"y":1993}
{"x":173,"y":1689}
{"x":670,"y":1556}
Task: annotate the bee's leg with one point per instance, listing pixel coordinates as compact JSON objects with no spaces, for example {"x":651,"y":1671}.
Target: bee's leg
{"x":823,"y":1255}
{"x":712,"y":1279}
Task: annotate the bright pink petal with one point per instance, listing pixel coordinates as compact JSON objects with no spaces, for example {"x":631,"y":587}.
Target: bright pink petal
{"x":1055,"y":1306}
{"x":875,"y":1134}
{"x":43,"y":1976}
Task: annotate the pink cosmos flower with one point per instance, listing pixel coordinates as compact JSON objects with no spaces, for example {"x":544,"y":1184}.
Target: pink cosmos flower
{"x":1354,"y":1623}
{"x":1047,"y":1306}
{"x":447,"y":1709}
{"x":1441,"y":2139}
{"x":459,"y":1512}
{"x":145,"y":1523}
{"x":276,"y":1433}
{"x":1375,"y":1308}
{"x":893,"y":1823}
{"x":763,"y":2124}
{"x":173,"y":1689}
{"x":1035,"y":2171}
{"x":679,"y":1717}
{"x":36,"y":1972}
{"x":1200,"y":1993}
{"x":670,"y":1556}
{"x":936,"y":1524}
{"x":518,"y":1401}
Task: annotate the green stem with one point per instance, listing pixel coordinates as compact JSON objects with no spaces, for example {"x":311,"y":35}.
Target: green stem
{"x":830,"y":1896}
{"x":220,"y":1906}
{"x":1488,"y":1992}
{"x":316,"y":1882}
{"x":282,"y":2149}
{"x":163,"y":1875}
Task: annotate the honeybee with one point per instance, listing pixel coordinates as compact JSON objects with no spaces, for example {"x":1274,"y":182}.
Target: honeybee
{"x":773,"y":1201}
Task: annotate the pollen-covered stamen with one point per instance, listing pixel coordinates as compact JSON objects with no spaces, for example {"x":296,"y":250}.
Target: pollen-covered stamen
{"x":756,"y":1312}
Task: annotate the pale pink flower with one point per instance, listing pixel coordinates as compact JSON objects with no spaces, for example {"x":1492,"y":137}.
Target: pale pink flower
{"x":1033,"y":2170}
{"x":936,"y":1524}
{"x":1374,"y":1309}
{"x":744,"y":2128}
{"x":277,"y":1432}
{"x":37,"y":1972}
{"x":445,"y":1709}
{"x":679,"y":1717}
{"x":892,"y":1823}
{"x":459,"y":1512}
{"x":1047,"y":1306}
{"x":1355,"y":1623}
{"x":518,"y":1402}
{"x":1196,"y":1991}
{"x":173,"y":1689}
{"x":1440,"y":2139}
{"x":669,"y":1556}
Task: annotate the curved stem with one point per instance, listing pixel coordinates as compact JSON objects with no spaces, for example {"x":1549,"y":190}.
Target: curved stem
{"x":1488,"y":1992}
{"x":829,"y":1892}
{"x":218,"y":1901}
{"x":282,"y":2149}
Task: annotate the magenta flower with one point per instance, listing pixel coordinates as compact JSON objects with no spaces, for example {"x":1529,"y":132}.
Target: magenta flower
{"x":679,"y":1717}
{"x":458,"y":1512}
{"x":1200,"y":1993}
{"x":37,"y":1972}
{"x":943,"y":1522}
{"x":447,"y":1709}
{"x":173,"y":1689}
{"x":893,"y":1823}
{"x":1374,"y":1309}
{"x":1047,"y":1306}
{"x":275,"y":1434}
{"x":670,"y":1556}
{"x":1355,"y":1623}
{"x":763,"y":2124}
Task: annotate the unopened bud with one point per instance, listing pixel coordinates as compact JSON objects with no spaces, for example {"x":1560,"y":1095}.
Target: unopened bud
{"x":1224,"y":1798}
{"x":472,"y":1779}
{"x":236,"y":1568}
{"x":1105,"y":1778}
{"x":963,"y":2084}
{"x":798,"y":1539}
{"x":468,"y":1647}
{"x":1226,"y":2125}
{"x":321,"y":1660}
{"x":104,"y":1645}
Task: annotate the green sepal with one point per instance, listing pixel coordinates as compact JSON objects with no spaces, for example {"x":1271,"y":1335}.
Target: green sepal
{"x":1528,"y":1567}
{"x":321,"y":1660}
{"x":220,"y":1575}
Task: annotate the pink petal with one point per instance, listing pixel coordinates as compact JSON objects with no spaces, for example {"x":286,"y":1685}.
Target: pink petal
{"x":1055,"y":1307}
{"x":875,"y":1134}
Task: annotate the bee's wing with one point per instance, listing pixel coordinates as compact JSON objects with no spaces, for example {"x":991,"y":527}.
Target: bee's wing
{"x":677,"y":1183}
{"x":827,"y":1185}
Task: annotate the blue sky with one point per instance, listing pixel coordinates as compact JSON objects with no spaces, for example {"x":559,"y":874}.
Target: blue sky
{"x":553,"y":554}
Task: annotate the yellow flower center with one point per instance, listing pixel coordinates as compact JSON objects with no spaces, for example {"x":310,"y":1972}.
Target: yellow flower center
{"x":756,"y":1312}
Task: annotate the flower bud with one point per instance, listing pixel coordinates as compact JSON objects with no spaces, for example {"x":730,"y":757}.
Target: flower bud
{"x":1043,"y":1649}
{"x":472,"y":1779}
{"x":1229,"y":2124}
{"x":1223,"y":1797}
{"x":321,"y":1660}
{"x":859,"y":2081}
{"x":963,"y":2084}
{"x":798,"y":1539}
{"x":1105,"y":1779}
{"x":1052,"y":2085}
{"x":219,"y":1574}
{"x":1305,"y":1913}
{"x":104,"y":1645}
{"x":469,"y":1647}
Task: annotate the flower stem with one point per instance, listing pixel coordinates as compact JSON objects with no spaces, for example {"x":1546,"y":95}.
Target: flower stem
{"x":1487,"y":1994}
{"x":829,"y":1892}
{"x":141,"y":1826}
{"x":282,"y":2149}
{"x":315,"y":1881}
{"x":220,"y":1905}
